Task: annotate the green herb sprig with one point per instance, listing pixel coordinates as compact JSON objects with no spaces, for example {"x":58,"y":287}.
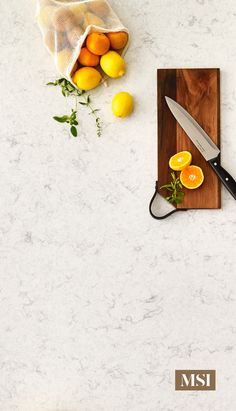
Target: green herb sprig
{"x":68,"y":90}
{"x":72,"y":120}
{"x":94,"y":112}
{"x":175,"y":188}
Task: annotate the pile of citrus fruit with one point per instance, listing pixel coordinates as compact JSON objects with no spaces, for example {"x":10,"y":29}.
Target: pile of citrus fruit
{"x":93,"y":23}
{"x":100,"y":54}
{"x":191,"y":176}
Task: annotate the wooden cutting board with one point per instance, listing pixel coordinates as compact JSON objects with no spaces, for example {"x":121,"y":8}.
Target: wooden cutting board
{"x":198,"y":91}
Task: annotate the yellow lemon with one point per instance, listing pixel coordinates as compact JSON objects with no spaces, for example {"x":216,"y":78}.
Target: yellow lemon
{"x":113,"y":64}
{"x":91,"y":20}
{"x":44,"y":16}
{"x":87,"y":78}
{"x":63,"y":59}
{"x":78,"y":10}
{"x":180,"y":160}
{"x":122,"y":104}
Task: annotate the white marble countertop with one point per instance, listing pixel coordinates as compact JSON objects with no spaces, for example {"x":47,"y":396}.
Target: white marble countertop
{"x":99,"y":302}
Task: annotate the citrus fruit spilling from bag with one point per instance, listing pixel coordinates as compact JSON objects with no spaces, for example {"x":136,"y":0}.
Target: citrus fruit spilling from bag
{"x":63,"y":58}
{"x":86,"y":58}
{"x":87,"y":78}
{"x":118,"y":39}
{"x":98,"y":43}
{"x":113,"y":64}
{"x":99,"y":7}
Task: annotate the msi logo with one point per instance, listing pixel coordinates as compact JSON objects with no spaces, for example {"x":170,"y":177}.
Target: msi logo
{"x":195,"y":380}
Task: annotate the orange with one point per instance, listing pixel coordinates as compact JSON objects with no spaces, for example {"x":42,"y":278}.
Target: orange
{"x":78,"y":10}
{"x":118,"y":40}
{"x":54,"y":41}
{"x":86,"y":58}
{"x":99,"y":7}
{"x":74,"y":35}
{"x":192,"y":177}
{"x":63,"y":58}
{"x":180,"y":160}
{"x":63,"y":19}
{"x":91,"y":19}
{"x":98,"y":43}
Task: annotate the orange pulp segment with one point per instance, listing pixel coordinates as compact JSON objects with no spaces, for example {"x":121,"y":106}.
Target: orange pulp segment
{"x":192,"y":177}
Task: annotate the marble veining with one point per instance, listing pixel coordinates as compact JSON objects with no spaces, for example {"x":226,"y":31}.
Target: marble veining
{"x":100,"y":303}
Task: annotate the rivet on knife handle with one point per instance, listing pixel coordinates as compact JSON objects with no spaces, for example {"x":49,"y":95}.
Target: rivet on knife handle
{"x":224,"y":176}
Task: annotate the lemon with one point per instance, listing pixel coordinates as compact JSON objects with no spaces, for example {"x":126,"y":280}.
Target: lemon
{"x":122,"y":104}
{"x":180,"y":160}
{"x":44,"y":16}
{"x":91,"y":19}
{"x":78,"y":8}
{"x":63,"y":59}
{"x":113,"y":64}
{"x":87,"y":78}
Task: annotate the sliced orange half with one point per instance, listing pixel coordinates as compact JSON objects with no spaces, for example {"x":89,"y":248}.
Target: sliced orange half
{"x":192,"y":177}
{"x":180,"y":160}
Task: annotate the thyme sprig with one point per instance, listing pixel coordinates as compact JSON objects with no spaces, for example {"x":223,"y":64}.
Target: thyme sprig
{"x":93,"y":111}
{"x":175,"y":188}
{"x":68,"y":90}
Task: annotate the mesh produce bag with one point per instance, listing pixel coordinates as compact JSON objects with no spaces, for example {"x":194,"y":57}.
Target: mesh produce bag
{"x":66,"y":24}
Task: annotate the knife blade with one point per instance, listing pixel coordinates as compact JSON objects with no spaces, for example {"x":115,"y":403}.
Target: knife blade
{"x":203,"y":142}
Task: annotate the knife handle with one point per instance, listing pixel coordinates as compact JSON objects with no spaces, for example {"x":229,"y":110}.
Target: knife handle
{"x":224,"y":176}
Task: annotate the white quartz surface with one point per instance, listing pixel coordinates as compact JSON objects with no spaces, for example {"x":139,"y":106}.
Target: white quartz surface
{"x":99,"y":303}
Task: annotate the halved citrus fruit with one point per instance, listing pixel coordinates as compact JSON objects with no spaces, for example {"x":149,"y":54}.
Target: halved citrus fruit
{"x":180,"y":160}
{"x":192,"y":177}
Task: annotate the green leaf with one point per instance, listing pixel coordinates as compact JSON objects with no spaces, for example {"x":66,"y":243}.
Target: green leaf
{"x":73,"y":131}
{"x":73,"y":117}
{"x":82,"y":103}
{"x":173,"y":177}
{"x":70,"y":87}
{"x":80,"y":92}
{"x":166,"y":186}
{"x":62,"y":119}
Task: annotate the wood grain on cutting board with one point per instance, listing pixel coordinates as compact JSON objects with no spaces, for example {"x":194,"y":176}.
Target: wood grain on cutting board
{"x":198,"y":91}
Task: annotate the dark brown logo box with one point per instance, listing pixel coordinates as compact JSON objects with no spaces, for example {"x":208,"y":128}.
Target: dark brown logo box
{"x":195,"y":380}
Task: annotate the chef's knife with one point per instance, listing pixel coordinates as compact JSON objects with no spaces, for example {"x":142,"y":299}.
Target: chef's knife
{"x":203,"y":142}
